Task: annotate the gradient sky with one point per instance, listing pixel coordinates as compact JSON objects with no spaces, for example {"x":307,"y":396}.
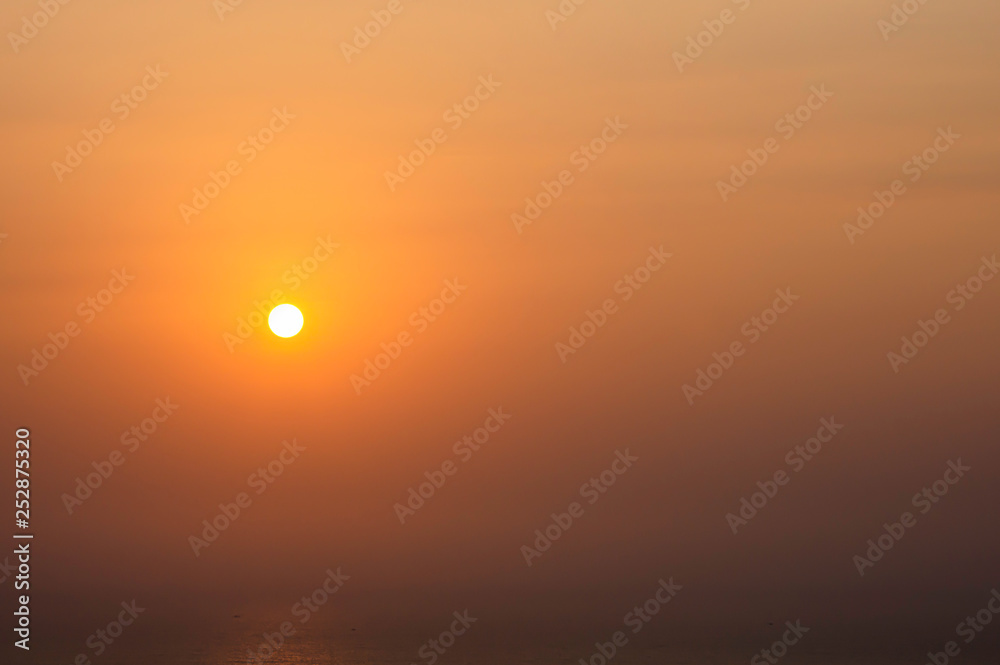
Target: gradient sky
{"x":323,"y":176}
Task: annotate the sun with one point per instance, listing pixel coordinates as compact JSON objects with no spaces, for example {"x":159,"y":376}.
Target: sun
{"x":285,"y":320}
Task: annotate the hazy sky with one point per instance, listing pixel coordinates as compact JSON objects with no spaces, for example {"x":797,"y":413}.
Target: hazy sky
{"x":229,"y":157}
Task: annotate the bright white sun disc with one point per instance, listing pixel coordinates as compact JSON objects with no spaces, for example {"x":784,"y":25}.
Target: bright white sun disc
{"x":285,"y":320}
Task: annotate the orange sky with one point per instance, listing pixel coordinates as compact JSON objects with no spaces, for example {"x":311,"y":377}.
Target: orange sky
{"x":263,"y":109}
